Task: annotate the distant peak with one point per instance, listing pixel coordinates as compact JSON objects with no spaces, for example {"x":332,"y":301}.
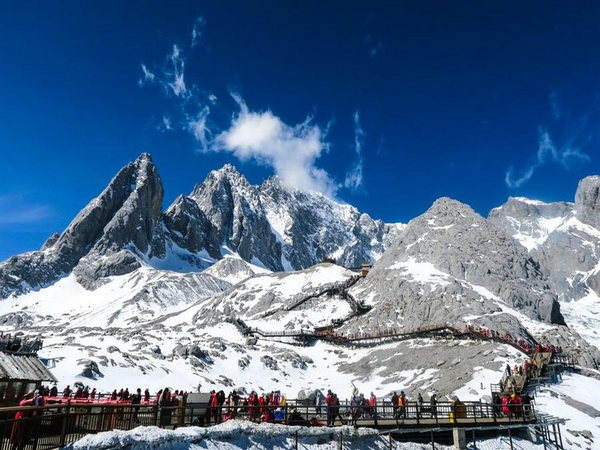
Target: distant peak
{"x":446,"y":202}
{"x":144,"y":158}
{"x":228,"y":169}
{"x":526,"y":200}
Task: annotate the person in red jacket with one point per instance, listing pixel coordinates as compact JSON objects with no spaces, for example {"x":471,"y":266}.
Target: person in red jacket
{"x":372,"y":403}
{"x":329,"y":401}
{"x":214,"y":405}
{"x":253,"y":403}
{"x":18,"y":434}
{"x":506,"y":405}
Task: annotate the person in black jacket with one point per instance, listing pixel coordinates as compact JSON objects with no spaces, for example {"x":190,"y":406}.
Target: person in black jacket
{"x":136,"y":399}
{"x":395,"y":405}
{"x":220,"y":403}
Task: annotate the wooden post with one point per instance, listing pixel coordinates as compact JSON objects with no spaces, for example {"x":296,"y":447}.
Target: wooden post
{"x":474,"y":441}
{"x":341,"y":440}
{"x":510,"y":439}
{"x":390,"y":440}
{"x":432,"y":441}
{"x":296,"y":440}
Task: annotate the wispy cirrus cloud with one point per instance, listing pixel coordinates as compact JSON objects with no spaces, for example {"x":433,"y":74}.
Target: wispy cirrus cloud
{"x":292,"y":151}
{"x":374,"y":45}
{"x":175,"y":74}
{"x":566,"y":155}
{"x":148,"y":77}
{"x":16,"y":210}
{"x":565,"y":149}
{"x":190,"y":107}
{"x":354,"y":177}
{"x":198,"y":30}
{"x":199,"y":128}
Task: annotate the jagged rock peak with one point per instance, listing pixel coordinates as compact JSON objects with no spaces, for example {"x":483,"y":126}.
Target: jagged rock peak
{"x":98,"y":240}
{"x":587,"y":201}
{"x":227,"y":174}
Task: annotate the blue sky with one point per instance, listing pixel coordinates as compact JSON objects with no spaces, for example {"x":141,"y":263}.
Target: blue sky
{"x":384,"y":105}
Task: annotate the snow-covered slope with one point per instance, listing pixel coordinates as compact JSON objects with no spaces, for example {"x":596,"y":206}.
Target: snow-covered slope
{"x":529,"y":221}
{"x":129,"y":296}
{"x":563,"y":237}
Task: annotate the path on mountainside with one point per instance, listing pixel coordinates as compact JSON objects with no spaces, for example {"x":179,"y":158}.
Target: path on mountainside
{"x":380,"y":337}
{"x":542,"y":367}
{"x":340,"y":289}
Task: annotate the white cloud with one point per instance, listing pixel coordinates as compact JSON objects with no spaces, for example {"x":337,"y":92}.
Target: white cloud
{"x":198,"y":30}
{"x":354,"y":177}
{"x":166,"y":124}
{"x":292,"y":151}
{"x":566,"y":155}
{"x":197,"y":126}
{"x":175,"y":74}
{"x":148,"y":76}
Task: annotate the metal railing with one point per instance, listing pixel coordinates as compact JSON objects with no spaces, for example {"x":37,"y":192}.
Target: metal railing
{"x":56,"y":425}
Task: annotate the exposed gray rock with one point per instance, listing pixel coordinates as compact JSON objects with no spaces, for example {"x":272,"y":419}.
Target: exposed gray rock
{"x":19,"y":319}
{"x":416,"y":357}
{"x":579,"y":349}
{"x":189,"y":228}
{"x":563,"y":237}
{"x":90,"y":369}
{"x":52,"y":239}
{"x":587,"y":201}
{"x":285,"y":228}
{"x":123,"y":216}
{"x":231,"y":269}
{"x":233,"y":207}
{"x":473,"y":270}
{"x":529,"y":221}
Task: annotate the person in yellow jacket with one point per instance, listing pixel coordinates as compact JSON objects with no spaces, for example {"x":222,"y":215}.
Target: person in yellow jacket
{"x":402,"y":405}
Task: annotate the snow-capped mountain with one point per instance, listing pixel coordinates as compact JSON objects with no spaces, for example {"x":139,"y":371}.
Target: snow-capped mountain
{"x":124,"y":229}
{"x":226,"y":288}
{"x":282,"y":228}
{"x":563,"y":237}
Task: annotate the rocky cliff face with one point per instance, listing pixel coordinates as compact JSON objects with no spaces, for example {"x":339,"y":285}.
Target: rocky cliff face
{"x":587,"y":201}
{"x":529,"y":221}
{"x":104,"y":239}
{"x":563,"y":237}
{"x":273,"y":226}
{"x":234,"y":209}
{"x":268,"y":225}
{"x":450,"y":265}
